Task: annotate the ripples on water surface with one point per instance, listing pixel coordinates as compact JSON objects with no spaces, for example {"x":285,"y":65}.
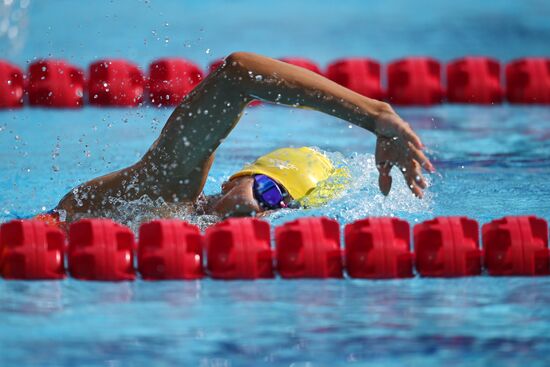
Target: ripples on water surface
{"x":418,"y":322}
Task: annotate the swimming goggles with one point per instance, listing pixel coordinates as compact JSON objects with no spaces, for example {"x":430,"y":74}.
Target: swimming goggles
{"x":268,"y":192}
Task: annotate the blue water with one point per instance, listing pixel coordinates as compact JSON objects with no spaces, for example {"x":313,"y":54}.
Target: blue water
{"x":491,"y":161}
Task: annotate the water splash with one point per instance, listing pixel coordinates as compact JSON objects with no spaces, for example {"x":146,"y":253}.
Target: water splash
{"x":135,"y":212}
{"x":361,"y":199}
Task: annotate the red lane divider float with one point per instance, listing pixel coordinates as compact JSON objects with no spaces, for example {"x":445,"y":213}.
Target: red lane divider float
{"x":11,"y":80}
{"x":171,"y":79}
{"x":516,"y":246}
{"x":309,"y":248}
{"x":31,"y":250}
{"x":170,"y":249}
{"x":447,"y":247}
{"x":474,"y":80}
{"x":115,"y":83}
{"x":240,"y":248}
{"x":528,"y":81}
{"x":410,"y":81}
{"x":55,"y":83}
{"x":361,"y":75}
{"x":378,"y":248}
{"x":415,"y":81}
{"x":100,"y":249}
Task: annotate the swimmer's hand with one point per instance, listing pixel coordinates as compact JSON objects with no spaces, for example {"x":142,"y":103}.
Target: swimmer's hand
{"x":398,"y":145}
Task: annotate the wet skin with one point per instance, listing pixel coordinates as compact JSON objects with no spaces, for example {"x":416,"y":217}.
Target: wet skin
{"x":176,"y":166}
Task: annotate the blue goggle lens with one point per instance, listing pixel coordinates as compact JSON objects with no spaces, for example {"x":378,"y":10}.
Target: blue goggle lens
{"x":267,"y":192}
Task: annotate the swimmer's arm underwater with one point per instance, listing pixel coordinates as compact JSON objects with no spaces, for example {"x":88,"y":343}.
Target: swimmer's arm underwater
{"x":176,"y":166}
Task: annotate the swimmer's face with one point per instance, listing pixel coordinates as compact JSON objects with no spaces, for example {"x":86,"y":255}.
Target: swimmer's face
{"x":238,"y":198}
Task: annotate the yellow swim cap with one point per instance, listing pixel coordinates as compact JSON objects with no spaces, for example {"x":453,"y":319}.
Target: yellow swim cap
{"x":308,"y":175}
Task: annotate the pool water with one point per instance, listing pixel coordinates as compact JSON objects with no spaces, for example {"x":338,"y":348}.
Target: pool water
{"x":491,"y":161}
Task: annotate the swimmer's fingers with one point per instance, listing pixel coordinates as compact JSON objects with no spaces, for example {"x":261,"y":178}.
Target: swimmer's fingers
{"x":421,"y":158}
{"x":416,"y":173}
{"x":384,"y":177}
{"x":384,"y":155}
{"x":414,"y":178}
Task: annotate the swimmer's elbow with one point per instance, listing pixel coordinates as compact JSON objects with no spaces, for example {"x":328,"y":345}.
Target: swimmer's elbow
{"x":239,"y":63}
{"x":238,"y":58}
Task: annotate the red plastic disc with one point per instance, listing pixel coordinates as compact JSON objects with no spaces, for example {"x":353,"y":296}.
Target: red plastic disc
{"x":239,"y":248}
{"x":55,"y":83}
{"x":516,"y":246}
{"x":31,"y":250}
{"x":447,"y":247}
{"x":474,"y":80}
{"x":415,"y":81}
{"x":528,"y":81}
{"x":100,"y":249}
{"x":361,"y":75}
{"x":378,"y":248}
{"x":170,"y":80}
{"x":309,"y":248}
{"x":170,"y":249}
{"x":11,"y":80}
{"x":115,"y":83}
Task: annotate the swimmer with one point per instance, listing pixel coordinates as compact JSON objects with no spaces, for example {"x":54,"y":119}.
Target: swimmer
{"x":176,"y":166}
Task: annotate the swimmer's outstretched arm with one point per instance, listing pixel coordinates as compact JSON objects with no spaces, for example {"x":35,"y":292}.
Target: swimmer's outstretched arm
{"x":177,"y":164}
{"x":211,"y":111}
